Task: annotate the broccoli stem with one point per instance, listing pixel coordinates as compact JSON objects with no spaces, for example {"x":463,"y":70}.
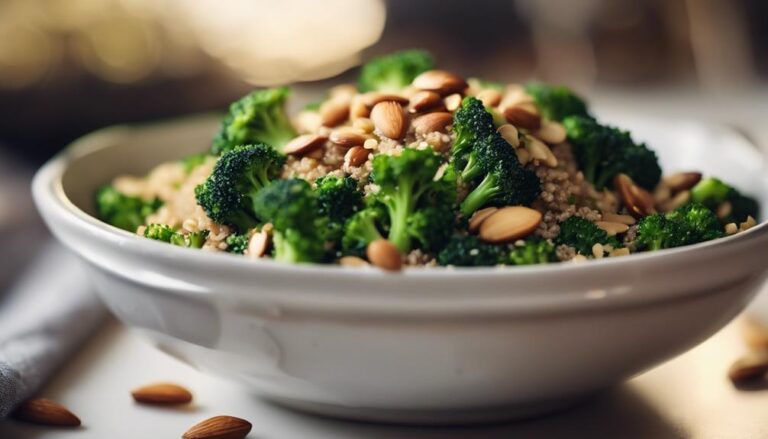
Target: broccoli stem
{"x":472,"y":169}
{"x":486,"y":190}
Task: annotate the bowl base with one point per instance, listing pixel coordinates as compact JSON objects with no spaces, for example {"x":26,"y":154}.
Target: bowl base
{"x":429,"y":417}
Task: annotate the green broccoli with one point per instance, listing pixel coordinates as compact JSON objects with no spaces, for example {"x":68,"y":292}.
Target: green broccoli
{"x":237,"y":243}
{"x":227,"y":196}
{"x":166,"y":233}
{"x":686,"y":225}
{"x":532,"y":252}
{"x":504,"y":181}
{"x":291,"y":206}
{"x":123,"y":211}
{"x":193,"y":161}
{"x":361,"y":229}
{"x":258,"y":117}
{"x":583,"y":234}
{"x":711,"y":192}
{"x":339,"y":197}
{"x":603,"y":152}
{"x":391,"y":73}
{"x":469,"y":251}
{"x":471,"y":123}
{"x":196,"y":239}
{"x":557,"y":102}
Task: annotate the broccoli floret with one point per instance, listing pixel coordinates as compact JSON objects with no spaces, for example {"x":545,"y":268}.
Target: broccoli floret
{"x":557,"y":102}
{"x":339,"y":197}
{"x":532,"y":252}
{"x":604,"y":152}
{"x":166,"y":233}
{"x":292,"y":208}
{"x":469,"y":251}
{"x":237,"y":243}
{"x":258,"y":117}
{"x":582,"y":234}
{"x":711,"y":192}
{"x":504,"y":181}
{"x":390,"y":73}
{"x":159,"y":232}
{"x":686,"y":225}
{"x":197,"y":239}
{"x":193,"y":161}
{"x":123,"y":211}
{"x":227,"y":196}
{"x":361,"y":229}
{"x":432,"y":226}
{"x":471,"y":123}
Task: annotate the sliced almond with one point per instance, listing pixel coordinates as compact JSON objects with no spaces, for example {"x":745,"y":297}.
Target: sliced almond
{"x":353,"y":261}
{"x":540,"y":151}
{"x":258,"y":244}
{"x":334,"y":112}
{"x":752,"y":366}
{"x":431,"y":122}
{"x":219,"y":427}
{"x":372,"y":98}
{"x":636,"y":200}
{"x":619,"y":252}
{"x":682,"y":181}
{"x":389,"y":119}
{"x":356,"y":156}
{"x":515,"y":94}
{"x":452,"y":102}
{"x":509,"y":224}
{"x":679,"y":199}
{"x":479,"y":216}
{"x":489,"y":97}
{"x":523,"y":116}
{"x":612,"y":228}
{"x":440,"y":81}
{"x":523,"y":156}
{"x":357,"y":108}
{"x":724,"y":209}
{"x":509,"y":133}
{"x":45,"y":412}
{"x":551,"y":132}
{"x":423,"y":100}
{"x":384,"y":255}
{"x":616,"y":218}
{"x":348,"y":137}
{"x":162,"y":394}
{"x":304,"y":144}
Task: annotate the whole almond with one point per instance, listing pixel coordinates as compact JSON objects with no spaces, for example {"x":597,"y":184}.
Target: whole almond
{"x":523,"y":116}
{"x":682,"y":181}
{"x":452,"y":102}
{"x":45,"y":412}
{"x":334,"y":112}
{"x":440,"y":81}
{"x":432,"y":122}
{"x":479,"y":216}
{"x":356,"y":156}
{"x":353,"y":261}
{"x":509,"y":224}
{"x":423,"y":100}
{"x":635,"y":199}
{"x":389,"y":119}
{"x":304,"y":144}
{"x":551,"y":132}
{"x":384,"y":255}
{"x":509,"y":133}
{"x":162,"y":394}
{"x":348,"y":137}
{"x":258,"y":244}
{"x":219,"y":427}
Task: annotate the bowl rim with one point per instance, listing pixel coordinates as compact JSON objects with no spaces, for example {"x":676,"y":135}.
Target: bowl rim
{"x":48,"y":193}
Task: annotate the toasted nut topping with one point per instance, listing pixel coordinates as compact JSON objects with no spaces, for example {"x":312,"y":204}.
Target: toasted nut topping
{"x":637,"y":200}
{"x":348,"y":137}
{"x":662,"y":194}
{"x":219,"y":427}
{"x":523,"y":156}
{"x":363,"y":124}
{"x":45,"y":412}
{"x":509,"y":224}
{"x":334,"y":112}
{"x":479,"y":216}
{"x":540,"y":151}
{"x":523,"y":116}
{"x":679,"y":199}
{"x":384,"y":255}
{"x":724,"y":209}
{"x":452,"y":102}
{"x":357,"y":108}
{"x":353,"y":261}
{"x":509,"y":133}
{"x":389,"y":118}
{"x":162,"y":394}
{"x":489,"y":97}
{"x":371,"y":144}
{"x":616,"y":218}
{"x":598,"y":251}
{"x":748,"y":224}
{"x":423,"y":100}
{"x":731,"y":229}
{"x":370,"y":99}
{"x":550,"y":132}
{"x":356,"y":156}
{"x":611,"y":228}
{"x":258,"y":244}
{"x":432,"y":122}
{"x":343,"y":92}
{"x":304,"y":144}
{"x":682,"y":181}
{"x":752,"y":366}
{"x":619,"y":252}
{"x":440,"y":81}
{"x":515,"y":94}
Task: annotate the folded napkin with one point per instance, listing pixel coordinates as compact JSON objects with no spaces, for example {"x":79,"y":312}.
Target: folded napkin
{"x":47,"y":314}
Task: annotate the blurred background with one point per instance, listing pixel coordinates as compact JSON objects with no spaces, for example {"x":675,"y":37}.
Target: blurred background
{"x":68,"y":67}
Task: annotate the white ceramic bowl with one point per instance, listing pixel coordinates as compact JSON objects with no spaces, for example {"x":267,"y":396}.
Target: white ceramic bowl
{"x":425,"y":345}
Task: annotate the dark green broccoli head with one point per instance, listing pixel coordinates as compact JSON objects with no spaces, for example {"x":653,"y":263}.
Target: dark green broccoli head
{"x":582,"y":235}
{"x":603,"y":152}
{"x":690,"y":224}
{"x":291,"y":207}
{"x":432,"y":226}
{"x":237,"y":243}
{"x":711,"y":192}
{"x":123,"y":211}
{"x":361,"y":229}
{"x":166,"y":233}
{"x":557,"y":102}
{"x":471,"y":123}
{"x":258,"y":117}
{"x":227,"y":196}
{"x":532,"y":252}
{"x":391,"y":73}
{"x":339,"y":197}
{"x":159,"y":232}
{"x":469,"y":251}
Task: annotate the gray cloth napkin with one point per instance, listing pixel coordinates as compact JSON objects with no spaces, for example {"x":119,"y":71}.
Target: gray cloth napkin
{"x":47,"y":314}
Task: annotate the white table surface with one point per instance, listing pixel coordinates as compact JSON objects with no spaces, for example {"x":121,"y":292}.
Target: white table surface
{"x":688,"y":397}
